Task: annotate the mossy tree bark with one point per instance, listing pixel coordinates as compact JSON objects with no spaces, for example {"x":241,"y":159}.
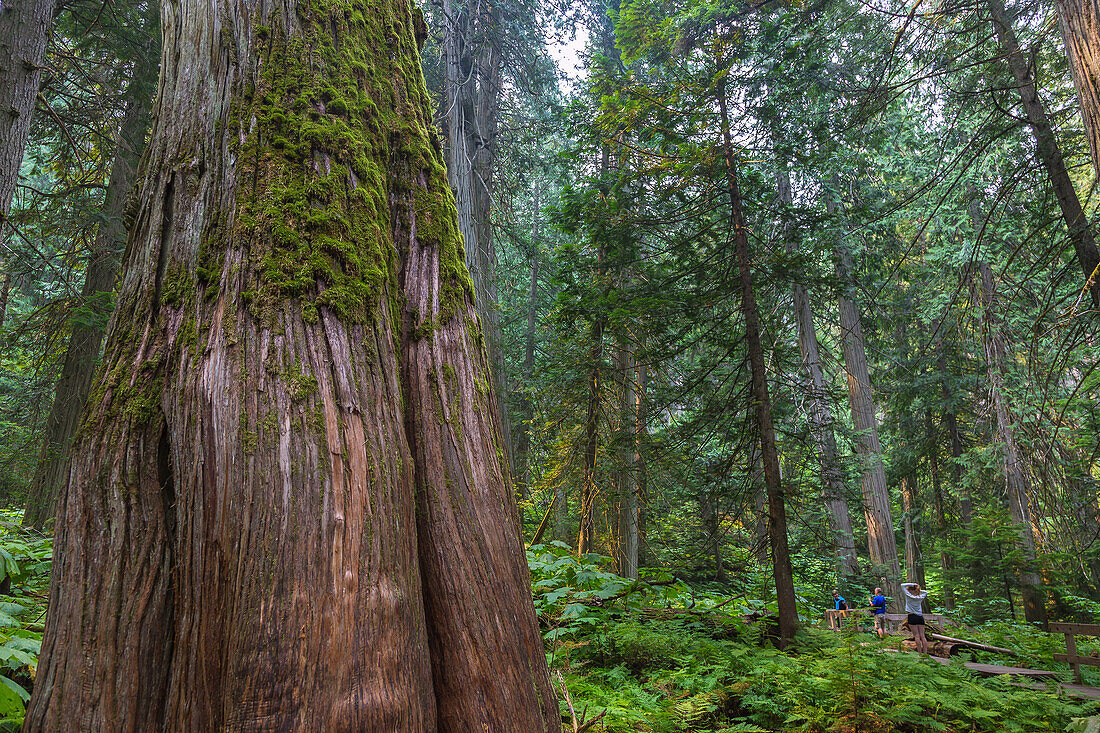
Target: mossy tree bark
{"x":288,"y":507}
{"x":100,"y":274}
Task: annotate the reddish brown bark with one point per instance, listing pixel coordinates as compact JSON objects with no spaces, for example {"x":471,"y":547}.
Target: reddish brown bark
{"x":1080,"y":24}
{"x":288,"y":508}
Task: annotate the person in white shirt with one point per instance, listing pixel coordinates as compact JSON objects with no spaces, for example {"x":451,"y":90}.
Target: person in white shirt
{"x":913,"y":598}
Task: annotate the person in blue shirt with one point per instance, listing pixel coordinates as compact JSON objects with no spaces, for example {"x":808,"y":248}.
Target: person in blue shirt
{"x":841,"y":604}
{"x":878,"y":609}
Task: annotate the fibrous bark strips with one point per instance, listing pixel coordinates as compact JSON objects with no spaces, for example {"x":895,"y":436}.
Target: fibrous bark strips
{"x":288,"y":507}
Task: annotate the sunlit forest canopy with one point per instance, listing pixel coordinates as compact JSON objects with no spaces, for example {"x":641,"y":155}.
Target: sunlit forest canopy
{"x":385,"y":346}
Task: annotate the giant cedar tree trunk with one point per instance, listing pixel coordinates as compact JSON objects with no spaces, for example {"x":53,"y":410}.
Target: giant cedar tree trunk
{"x":820,"y":412}
{"x":1079,"y":21}
{"x":286,"y":508}
{"x":1016,"y":480}
{"x":24,"y":30}
{"x":777,"y":509}
{"x":1046,"y":147}
{"x":99,"y":279}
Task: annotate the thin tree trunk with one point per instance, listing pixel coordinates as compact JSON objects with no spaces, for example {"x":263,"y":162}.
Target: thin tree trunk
{"x":99,"y":280}
{"x":523,"y":441}
{"x":286,"y":508}
{"x":820,"y":413}
{"x":876,"y":495}
{"x":5,"y":290}
{"x":1046,"y":146}
{"x":914,"y":565}
{"x":1079,"y":21}
{"x":1016,"y":481}
{"x":627,"y":524}
{"x":586,"y":531}
{"x":951,"y":424}
{"x":777,"y":510}
{"x":641,"y":441}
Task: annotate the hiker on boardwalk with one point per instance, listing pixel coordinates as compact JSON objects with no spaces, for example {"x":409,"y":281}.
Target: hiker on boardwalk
{"x":914,"y":597}
{"x":839,"y":603}
{"x":878,"y":610}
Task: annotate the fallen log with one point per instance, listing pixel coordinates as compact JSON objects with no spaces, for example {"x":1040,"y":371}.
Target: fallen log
{"x":959,"y":644}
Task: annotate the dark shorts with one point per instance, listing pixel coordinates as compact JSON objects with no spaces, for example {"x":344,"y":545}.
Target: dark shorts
{"x":915,"y":619}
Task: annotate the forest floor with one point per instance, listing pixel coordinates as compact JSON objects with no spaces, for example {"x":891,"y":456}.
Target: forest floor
{"x":661,"y":656}
{"x":666,"y":658}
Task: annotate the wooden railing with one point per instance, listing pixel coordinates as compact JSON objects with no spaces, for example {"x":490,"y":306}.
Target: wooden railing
{"x":1072,"y":631}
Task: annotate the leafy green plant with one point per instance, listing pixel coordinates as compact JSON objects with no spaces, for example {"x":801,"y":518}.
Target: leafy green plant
{"x":25,"y":560}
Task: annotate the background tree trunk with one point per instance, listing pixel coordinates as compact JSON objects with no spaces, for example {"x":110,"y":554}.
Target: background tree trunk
{"x":79,"y":366}
{"x":1046,"y":147}
{"x":24,"y":31}
{"x":914,"y":565}
{"x":523,"y":441}
{"x":876,"y":495}
{"x":472,"y":89}
{"x":287,"y":508}
{"x":1016,"y":481}
{"x":627,"y":520}
{"x":820,"y":413}
{"x":947,"y":562}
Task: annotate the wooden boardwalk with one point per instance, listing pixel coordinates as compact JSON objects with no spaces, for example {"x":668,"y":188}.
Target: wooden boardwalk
{"x":1033,"y":678}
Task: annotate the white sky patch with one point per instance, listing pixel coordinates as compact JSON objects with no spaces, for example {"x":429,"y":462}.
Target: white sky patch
{"x":567,"y":54}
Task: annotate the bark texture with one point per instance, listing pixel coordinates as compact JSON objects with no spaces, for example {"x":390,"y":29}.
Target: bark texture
{"x":777,"y":508}
{"x":24,"y":31}
{"x":288,"y":507}
{"x":1046,"y":147}
{"x":1079,"y":21}
{"x":876,"y":494}
{"x":79,"y":366}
